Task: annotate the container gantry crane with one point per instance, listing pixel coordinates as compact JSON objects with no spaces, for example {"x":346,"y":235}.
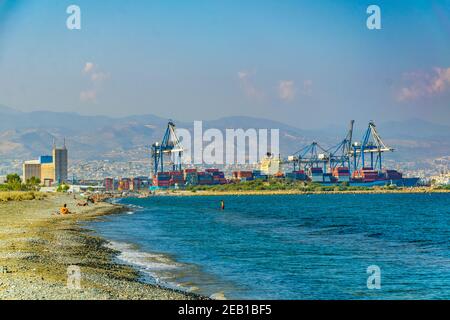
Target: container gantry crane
{"x":170,"y":147}
{"x":371,"y":144}
{"x":310,"y":156}
{"x":340,"y":154}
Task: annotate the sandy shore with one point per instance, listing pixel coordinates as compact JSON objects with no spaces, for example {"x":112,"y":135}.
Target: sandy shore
{"x":37,"y":247}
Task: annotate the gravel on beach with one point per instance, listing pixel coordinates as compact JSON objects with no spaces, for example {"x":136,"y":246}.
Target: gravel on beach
{"x":37,"y":247}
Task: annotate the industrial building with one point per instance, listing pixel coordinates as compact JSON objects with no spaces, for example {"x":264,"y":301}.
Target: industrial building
{"x":49,"y":169}
{"x":31,"y":168}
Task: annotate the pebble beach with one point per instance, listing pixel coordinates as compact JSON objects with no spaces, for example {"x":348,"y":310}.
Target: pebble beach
{"x":37,"y":247}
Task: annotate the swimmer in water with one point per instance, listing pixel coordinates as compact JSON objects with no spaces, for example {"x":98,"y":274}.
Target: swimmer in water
{"x":222,"y":205}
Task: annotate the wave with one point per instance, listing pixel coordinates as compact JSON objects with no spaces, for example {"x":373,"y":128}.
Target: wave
{"x":158,"y":268}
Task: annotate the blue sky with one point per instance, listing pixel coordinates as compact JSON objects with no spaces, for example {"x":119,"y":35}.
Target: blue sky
{"x":306,"y":63}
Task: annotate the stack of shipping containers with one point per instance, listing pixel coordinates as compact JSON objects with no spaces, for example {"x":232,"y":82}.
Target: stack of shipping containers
{"x":342,"y":174}
{"x":243,"y":175}
{"x":296,"y":175}
{"x":140,"y":183}
{"x":316,"y":174}
{"x":328,"y":177}
{"x":218,"y":176}
{"x":257,"y":174}
{"x":366,"y":175}
{"x":204,"y":178}
{"x":161,"y":179}
{"x":190,"y":176}
{"x":176,"y":178}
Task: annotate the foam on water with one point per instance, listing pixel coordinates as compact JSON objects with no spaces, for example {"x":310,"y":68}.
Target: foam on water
{"x":160,"y":268}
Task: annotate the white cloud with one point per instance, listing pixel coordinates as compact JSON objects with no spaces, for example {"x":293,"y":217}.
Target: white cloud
{"x":88,"y":67}
{"x":441,"y":81}
{"x":99,"y":76}
{"x":246,"y":84}
{"x":96,"y":79}
{"x":242,"y":74}
{"x":286,"y":90}
{"x":88,"y":95}
{"x":417,"y":85}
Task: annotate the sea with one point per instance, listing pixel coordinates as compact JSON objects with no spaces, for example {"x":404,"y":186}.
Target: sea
{"x":336,"y":246}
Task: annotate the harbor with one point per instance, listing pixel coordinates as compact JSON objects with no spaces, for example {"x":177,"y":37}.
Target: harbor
{"x":349,"y":163}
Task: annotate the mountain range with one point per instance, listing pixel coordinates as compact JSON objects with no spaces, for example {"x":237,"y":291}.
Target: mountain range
{"x":26,"y":135}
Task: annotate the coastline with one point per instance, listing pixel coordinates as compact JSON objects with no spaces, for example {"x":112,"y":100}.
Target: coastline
{"x":36,"y":248}
{"x":298,"y":192}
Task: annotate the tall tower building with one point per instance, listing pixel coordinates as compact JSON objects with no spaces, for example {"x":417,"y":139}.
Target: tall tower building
{"x":60,"y":160}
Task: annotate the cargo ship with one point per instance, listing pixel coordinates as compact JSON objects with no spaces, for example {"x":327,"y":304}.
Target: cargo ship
{"x":366,"y":177}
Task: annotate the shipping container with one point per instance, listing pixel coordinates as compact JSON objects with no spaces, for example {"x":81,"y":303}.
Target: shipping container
{"x":317,"y":178}
{"x":261,"y":177}
{"x":344,"y":178}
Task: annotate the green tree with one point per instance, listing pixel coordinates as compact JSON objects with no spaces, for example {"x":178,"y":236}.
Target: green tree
{"x":13,"y":182}
{"x":63,"y":188}
{"x":33,"y":183}
{"x":13,"y":178}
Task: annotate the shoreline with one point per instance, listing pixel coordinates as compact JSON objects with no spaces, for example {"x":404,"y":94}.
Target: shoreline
{"x":36,"y":248}
{"x":296,"y":192}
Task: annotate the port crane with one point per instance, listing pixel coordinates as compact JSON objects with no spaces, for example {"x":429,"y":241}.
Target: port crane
{"x":169,"y":147}
{"x":347,"y":153}
{"x":371,"y":145}
{"x":310,"y":156}
{"x":340,"y":154}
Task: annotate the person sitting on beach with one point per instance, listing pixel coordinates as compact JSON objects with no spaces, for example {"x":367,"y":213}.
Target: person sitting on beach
{"x":64,"y":210}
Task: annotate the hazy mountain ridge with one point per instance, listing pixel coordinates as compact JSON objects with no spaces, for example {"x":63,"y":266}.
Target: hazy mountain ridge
{"x":26,"y":135}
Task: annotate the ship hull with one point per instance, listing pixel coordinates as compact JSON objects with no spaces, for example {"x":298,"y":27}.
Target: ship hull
{"x":403,"y":182}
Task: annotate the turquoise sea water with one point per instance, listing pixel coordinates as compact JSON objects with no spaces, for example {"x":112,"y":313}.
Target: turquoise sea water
{"x":289,"y":247}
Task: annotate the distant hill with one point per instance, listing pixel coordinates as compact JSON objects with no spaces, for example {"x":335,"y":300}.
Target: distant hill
{"x":26,"y":135}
